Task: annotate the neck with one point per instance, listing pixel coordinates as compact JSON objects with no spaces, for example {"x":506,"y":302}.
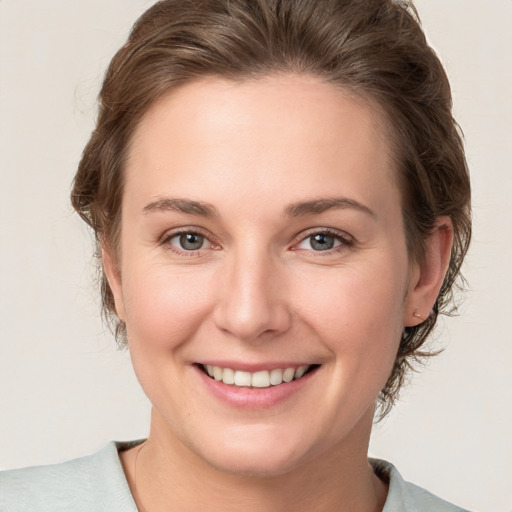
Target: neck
{"x":170,"y":476}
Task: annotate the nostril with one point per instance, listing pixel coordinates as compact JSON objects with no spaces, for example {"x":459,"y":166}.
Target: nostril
{"x":251,"y":306}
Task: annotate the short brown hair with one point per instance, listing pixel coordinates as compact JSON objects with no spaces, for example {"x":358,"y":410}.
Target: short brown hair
{"x":374,"y":48}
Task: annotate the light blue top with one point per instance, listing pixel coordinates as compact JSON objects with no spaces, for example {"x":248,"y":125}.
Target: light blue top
{"x":97,"y":483}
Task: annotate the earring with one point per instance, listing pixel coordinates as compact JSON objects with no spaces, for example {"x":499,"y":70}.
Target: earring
{"x":418,"y":316}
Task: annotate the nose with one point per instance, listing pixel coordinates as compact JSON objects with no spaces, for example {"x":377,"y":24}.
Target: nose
{"x":252,"y":302}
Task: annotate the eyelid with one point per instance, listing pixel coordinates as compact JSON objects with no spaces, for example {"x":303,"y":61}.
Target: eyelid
{"x":345,"y":239}
{"x":172,"y":233}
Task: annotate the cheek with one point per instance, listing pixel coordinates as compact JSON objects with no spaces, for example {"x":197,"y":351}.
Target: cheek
{"x":163,"y":309}
{"x":358,"y":314}
{"x":350,"y":296}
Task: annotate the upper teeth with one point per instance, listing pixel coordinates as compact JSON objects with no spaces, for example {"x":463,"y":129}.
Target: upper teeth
{"x":261,"y":379}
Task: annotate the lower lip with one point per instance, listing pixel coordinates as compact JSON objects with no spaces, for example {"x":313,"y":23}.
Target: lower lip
{"x":253,"y":398}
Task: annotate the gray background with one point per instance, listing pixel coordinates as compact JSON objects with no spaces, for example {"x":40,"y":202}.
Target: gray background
{"x":65,"y":390}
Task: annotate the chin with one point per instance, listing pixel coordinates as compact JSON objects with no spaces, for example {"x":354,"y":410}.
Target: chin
{"x":260,"y":466}
{"x":253,"y":455}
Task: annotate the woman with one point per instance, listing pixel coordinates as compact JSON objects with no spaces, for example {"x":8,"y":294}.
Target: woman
{"x":281,"y":202}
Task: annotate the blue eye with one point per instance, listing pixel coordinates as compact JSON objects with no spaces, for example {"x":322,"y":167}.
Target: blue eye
{"x":188,"y":241}
{"x":321,"y":242}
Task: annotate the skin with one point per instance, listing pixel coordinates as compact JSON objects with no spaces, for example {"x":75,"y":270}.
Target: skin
{"x":258,"y":291}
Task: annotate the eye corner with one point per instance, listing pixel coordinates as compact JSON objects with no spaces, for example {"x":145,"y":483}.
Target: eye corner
{"x":328,"y":241}
{"x":188,"y":241}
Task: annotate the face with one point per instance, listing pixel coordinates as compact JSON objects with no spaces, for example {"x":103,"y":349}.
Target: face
{"x":263,"y":271}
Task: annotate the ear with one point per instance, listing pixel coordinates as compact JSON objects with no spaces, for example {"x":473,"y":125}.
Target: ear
{"x":112,"y":272}
{"x":427,"y":277}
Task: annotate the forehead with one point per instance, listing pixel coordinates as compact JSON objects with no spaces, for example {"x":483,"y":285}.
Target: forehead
{"x":283,"y":132}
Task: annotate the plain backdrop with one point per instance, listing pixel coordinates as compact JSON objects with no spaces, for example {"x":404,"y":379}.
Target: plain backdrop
{"x":64,"y":388}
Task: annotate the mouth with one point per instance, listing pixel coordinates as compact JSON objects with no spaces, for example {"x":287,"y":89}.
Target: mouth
{"x":259,"y":379}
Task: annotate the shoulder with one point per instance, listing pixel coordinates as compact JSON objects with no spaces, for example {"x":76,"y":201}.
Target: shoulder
{"x":92,"y":483}
{"x":406,"y":497}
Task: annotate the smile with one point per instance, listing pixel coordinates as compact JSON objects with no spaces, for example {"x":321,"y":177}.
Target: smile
{"x":260,"y":379}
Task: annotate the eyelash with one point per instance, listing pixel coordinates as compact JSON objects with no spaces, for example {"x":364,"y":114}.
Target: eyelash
{"x":186,"y":231}
{"x":345,"y":241}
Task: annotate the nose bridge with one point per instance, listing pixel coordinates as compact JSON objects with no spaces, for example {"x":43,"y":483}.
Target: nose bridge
{"x":252,"y":300}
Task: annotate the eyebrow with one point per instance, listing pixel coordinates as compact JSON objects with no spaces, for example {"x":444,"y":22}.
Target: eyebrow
{"x":317,"y":206}
{"x":299,"y":209}
{"x":183,"y":206}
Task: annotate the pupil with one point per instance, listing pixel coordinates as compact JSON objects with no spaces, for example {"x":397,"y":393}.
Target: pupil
{"x":322,"y":242}
{"x":191,"y":241}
